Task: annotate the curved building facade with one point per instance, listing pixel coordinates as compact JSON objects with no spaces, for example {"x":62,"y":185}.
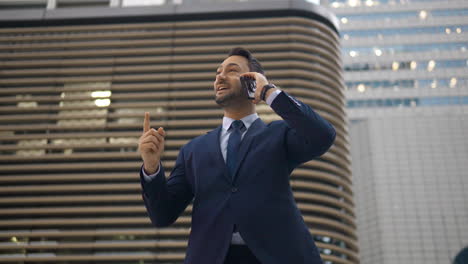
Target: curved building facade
{"x":74,"y":84}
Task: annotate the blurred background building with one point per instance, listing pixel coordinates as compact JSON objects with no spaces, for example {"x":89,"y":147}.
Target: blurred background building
{"x":406,"y":70}
{"x":75,"y":80}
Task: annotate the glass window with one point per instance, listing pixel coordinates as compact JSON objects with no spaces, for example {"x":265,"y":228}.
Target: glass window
{"x":406,"y":31}
{"x":464,"y":100}
{"x":453,"y":100}
{"x":142,"y":2}
{"x":409,"y":102}
{"x":359,"y":103}
{"x":404,"y":65}
{"x":407,"y":48}
{"x":357,"y":3}
{"x":450,"y":12}
{"x":94,"y":101}
{"x":402,"y":15}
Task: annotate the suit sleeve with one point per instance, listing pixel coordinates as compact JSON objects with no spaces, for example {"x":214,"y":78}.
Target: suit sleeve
{"x":165,"y":199}
{"x":308,"y":135}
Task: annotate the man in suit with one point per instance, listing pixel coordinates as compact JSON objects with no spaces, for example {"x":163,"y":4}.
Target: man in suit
{"x":238,"y":174}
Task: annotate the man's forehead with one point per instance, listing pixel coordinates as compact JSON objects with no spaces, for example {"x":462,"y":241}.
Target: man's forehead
{"x":233,"y":61}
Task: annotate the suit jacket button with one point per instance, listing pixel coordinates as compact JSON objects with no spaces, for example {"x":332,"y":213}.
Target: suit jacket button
{"x":233,"y":189}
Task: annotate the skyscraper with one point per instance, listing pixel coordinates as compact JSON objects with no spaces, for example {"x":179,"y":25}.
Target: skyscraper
{"x":76,"y":78}
{"x":406,"y":77}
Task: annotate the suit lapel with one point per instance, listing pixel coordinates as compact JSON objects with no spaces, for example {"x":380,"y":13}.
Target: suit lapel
{"x":256,"y":127}
{"x":214,"y":147}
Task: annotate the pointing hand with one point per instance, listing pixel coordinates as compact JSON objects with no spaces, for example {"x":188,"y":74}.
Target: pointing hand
{"x":151,"y":146}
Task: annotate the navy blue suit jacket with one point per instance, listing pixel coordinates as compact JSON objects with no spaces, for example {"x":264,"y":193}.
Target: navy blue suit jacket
{"x":258,"y":200}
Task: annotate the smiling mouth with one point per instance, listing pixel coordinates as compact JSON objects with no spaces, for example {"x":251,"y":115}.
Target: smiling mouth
{"x":221,"y":89}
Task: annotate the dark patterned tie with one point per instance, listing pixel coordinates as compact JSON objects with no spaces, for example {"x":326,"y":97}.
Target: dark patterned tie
{"x":233,"y":145}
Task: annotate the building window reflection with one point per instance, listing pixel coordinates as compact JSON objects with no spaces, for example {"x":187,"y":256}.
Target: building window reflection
{"x":452,"y":82}
{"x":33,"y":150}
{"x":409,"y":102}
{"x":405,"y":65}
{"x":357,"y":3}
{"x":25,"y":101}
{"x":404,"y":31}
{"x":83,"y":105}
{"x":402,"y":15}
{"x":395,"y":49}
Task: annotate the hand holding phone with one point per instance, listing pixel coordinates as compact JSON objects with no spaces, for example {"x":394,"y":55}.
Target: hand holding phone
{"x":249,"y":85}
{"x":250,"y":81}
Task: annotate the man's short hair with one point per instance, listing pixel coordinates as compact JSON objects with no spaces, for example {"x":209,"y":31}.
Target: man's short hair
{"x":254,"y":64}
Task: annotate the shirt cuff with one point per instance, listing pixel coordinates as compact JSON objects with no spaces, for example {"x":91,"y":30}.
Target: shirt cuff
{"x":150,"y":177}
{"x":272,"y":96}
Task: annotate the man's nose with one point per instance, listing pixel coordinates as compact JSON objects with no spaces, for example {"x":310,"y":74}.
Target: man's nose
{"x":220,"y":77}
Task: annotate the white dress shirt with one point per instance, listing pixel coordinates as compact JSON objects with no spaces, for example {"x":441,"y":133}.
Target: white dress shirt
{"x":224,"y":137}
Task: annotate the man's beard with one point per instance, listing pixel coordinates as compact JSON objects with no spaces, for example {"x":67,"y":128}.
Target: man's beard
{"x":230,"y":98}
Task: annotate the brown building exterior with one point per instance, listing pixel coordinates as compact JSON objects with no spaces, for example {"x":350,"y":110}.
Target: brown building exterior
{"x":74,"y":84}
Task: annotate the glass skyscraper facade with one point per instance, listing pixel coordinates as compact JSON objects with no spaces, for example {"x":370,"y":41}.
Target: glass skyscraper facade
{"x":406,"y":70}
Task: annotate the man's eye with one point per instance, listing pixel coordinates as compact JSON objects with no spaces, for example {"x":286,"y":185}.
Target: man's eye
{"x":232,"y":70}
{"x":217,"y":73}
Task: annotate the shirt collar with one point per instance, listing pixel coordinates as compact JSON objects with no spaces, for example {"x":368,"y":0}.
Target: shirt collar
{"x":247,"y":120}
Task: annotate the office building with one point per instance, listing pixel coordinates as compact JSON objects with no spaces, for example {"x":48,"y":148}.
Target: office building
{"x":76,"y":79}
{"x":407,"y":93}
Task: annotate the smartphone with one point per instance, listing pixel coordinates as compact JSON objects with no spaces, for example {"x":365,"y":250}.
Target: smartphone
{"x":249,"y":85}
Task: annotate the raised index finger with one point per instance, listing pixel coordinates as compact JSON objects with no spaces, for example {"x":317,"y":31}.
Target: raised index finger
{"x":146,"y":123}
